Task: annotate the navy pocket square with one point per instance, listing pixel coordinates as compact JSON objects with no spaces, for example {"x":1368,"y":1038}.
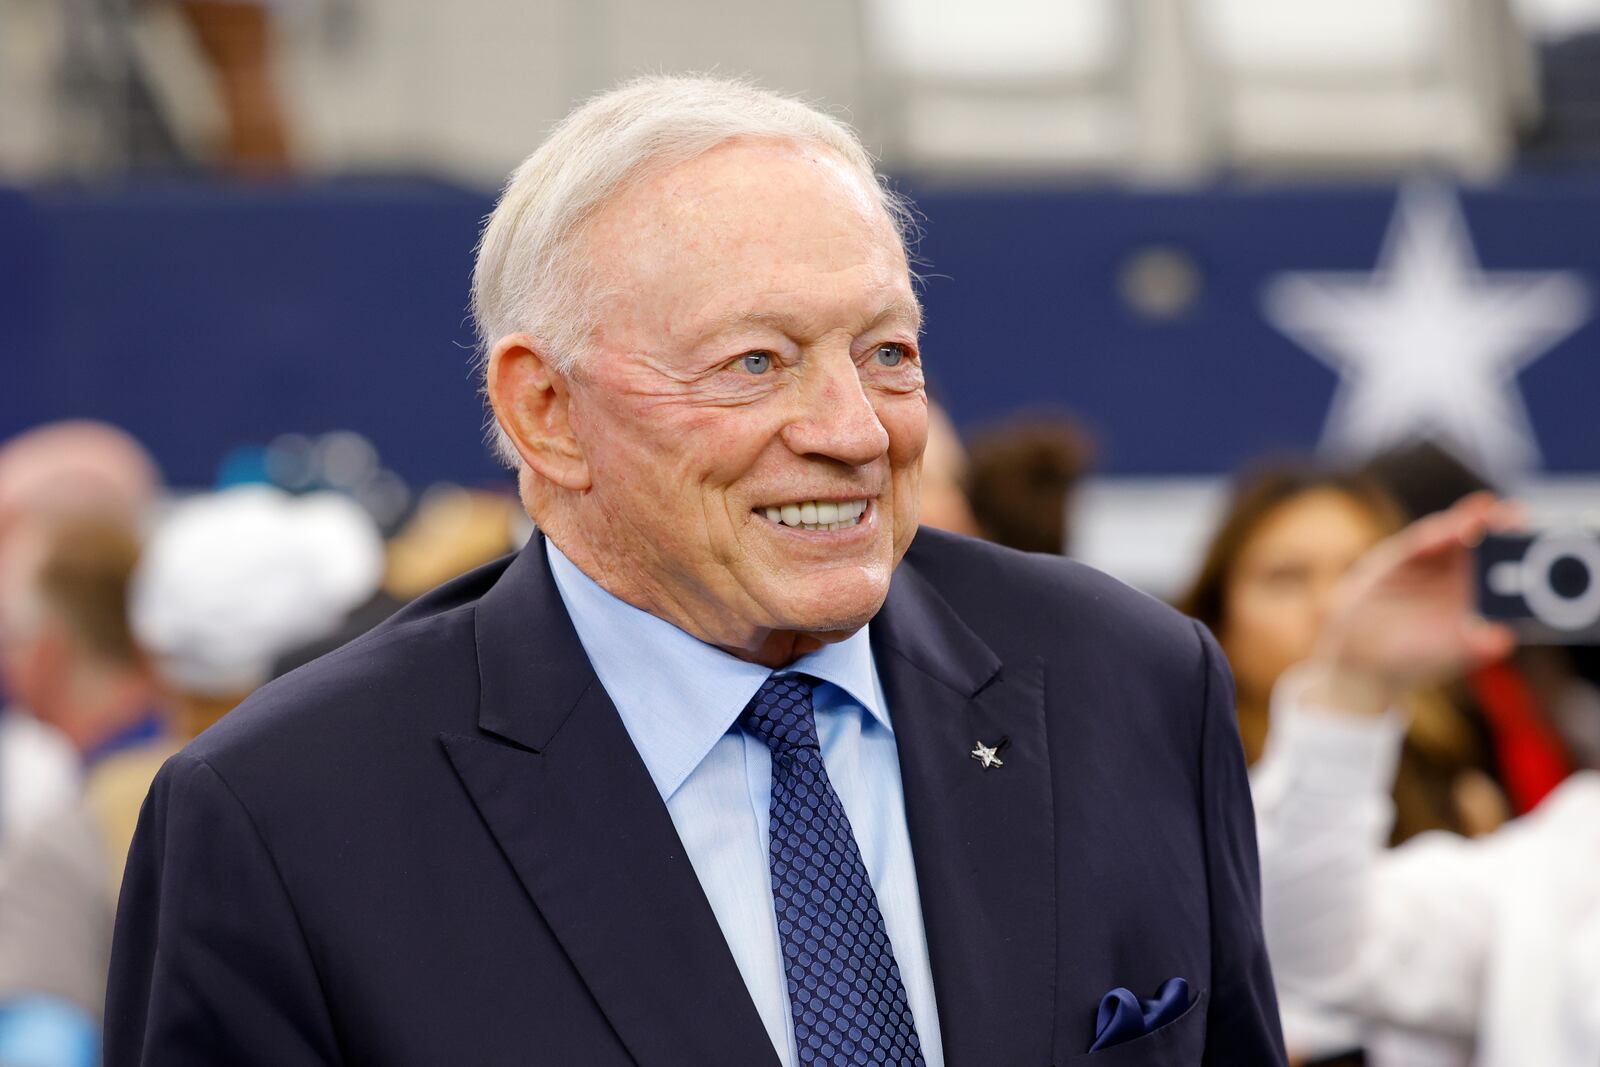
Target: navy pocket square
{"x":1123,"y":1016}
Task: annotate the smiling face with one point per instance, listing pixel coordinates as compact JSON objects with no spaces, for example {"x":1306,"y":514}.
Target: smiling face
{"x":750,"y":411}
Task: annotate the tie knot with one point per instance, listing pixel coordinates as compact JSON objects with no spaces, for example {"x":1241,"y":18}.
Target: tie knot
{"x":780,"y":714}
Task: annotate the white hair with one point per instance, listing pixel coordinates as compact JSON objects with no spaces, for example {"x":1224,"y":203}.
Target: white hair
{"x":530,"y":276}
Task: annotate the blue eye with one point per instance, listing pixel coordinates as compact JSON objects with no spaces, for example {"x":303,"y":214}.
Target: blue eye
{"x":756,"y":362}
{"x":890,"y":355}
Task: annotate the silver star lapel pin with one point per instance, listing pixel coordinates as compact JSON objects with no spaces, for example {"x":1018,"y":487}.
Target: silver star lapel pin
{"x":986,"y":756}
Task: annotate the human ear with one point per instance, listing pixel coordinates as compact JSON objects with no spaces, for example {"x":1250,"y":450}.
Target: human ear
{"x":532,"y":403}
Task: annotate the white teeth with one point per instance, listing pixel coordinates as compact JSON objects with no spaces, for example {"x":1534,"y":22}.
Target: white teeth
{"x":818,"y":514}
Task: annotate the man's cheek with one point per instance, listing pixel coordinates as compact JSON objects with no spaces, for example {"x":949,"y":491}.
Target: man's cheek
{"x":906,"y":420}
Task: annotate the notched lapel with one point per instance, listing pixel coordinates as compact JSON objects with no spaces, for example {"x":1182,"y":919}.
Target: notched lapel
{"x":572,"y":807}
{"x":984,"y":839}
{"x":591,"y":842}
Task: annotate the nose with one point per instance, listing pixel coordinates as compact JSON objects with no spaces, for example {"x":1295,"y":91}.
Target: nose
{"x":834,"y":418}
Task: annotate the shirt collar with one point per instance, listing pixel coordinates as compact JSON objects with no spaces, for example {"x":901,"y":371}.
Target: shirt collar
{"x":678,"y":695}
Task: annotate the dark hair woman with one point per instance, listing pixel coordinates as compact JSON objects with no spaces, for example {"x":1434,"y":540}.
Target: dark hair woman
{"x":1289,"y":533}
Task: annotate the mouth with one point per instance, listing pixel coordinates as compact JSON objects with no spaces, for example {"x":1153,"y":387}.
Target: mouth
{"x":816,"y":515}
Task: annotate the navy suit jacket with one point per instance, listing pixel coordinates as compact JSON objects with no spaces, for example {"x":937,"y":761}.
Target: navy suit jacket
{"x":438,"y":845}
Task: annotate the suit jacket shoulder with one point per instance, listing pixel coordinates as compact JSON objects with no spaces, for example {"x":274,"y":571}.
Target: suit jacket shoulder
{"x":378,"y":684}
{"x":390,"y":856}
{"x":1030,"y":605}
{"x":983,"y":580}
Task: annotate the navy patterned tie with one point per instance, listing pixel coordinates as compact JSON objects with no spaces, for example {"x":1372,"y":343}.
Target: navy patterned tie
{"x":845,"y":994}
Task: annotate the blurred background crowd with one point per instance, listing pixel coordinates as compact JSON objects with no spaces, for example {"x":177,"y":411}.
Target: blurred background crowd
{"x":1220,"y":295}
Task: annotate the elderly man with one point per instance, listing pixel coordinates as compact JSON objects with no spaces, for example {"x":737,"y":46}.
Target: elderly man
{"x":730,"y":765}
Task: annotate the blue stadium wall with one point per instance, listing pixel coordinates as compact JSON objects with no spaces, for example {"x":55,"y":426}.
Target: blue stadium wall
{"x":201,"y":317}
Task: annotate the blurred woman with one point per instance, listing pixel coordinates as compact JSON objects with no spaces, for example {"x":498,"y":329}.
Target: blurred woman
{"x":1490,"y":946}
{"x":1264,"y":588}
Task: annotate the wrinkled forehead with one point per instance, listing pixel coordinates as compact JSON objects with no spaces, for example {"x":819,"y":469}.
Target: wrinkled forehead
{"x":742,"y":173}
{"x":750,"y":220}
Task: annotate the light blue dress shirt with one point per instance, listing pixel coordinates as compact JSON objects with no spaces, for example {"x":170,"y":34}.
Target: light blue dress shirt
{"x":680,"y":700}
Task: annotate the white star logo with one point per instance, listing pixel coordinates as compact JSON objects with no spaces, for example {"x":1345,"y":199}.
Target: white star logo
{"x":987,"y":756}
{"x":1428,"y":345}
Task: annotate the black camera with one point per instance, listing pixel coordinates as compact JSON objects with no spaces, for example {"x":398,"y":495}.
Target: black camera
{"x":1546,"y":585}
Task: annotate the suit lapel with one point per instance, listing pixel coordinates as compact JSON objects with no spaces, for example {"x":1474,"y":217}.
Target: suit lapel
{"x":983,"y":839}
{"x":572,"y":807}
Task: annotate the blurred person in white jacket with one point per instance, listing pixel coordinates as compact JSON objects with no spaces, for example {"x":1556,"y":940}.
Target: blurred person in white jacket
{"x":38,"y":772}
{"x":1493,"y":942}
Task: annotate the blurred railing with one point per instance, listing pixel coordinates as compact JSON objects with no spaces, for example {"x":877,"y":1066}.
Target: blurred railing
{"x":1154,"y":90}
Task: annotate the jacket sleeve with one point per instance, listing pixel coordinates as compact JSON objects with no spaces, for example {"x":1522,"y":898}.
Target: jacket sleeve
{"x":209,"y":964}
{"x":1243,"y":1025}
{"x":1397,"y":936}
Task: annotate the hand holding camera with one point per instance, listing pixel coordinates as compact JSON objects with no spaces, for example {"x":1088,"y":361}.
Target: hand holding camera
{"x":1406,"y":615}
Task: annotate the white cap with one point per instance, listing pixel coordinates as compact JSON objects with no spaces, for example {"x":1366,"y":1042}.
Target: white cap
{"x":231,"y":580}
